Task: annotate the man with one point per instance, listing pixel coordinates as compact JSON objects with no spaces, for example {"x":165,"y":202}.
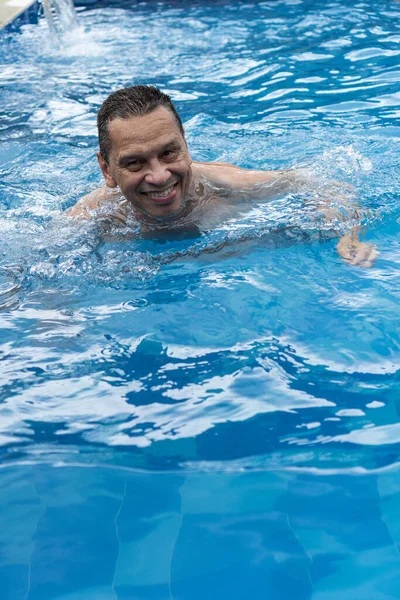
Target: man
{"x":151,"y":179}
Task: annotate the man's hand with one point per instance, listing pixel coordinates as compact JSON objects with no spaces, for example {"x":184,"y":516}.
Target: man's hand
{"x":355,"y":252}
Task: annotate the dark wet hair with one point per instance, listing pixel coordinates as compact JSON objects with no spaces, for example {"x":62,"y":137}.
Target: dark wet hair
{"x":134,"y":101}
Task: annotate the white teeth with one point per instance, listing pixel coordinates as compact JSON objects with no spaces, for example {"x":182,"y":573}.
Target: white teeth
{"x":161,"y":194}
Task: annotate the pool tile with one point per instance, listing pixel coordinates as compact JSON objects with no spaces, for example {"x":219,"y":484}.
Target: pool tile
{"x":248,"y":550}
{"x":148,"y":525}
{"x":76,"y":542}
{"x":20,"y":512}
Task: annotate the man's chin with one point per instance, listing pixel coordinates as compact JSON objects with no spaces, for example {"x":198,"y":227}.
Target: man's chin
{"x":165,"y":211}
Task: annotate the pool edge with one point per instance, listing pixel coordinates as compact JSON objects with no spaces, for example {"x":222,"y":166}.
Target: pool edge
{"x":14,"y":11}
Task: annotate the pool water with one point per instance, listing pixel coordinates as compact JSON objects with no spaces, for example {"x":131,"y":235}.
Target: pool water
{"x":212,"y":414}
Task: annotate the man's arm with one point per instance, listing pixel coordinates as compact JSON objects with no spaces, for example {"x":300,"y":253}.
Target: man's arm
{"x":233,"y":180}
{"x":333,"y":201}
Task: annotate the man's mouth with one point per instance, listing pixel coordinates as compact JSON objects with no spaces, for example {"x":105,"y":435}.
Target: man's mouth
{"x":164,"y":196}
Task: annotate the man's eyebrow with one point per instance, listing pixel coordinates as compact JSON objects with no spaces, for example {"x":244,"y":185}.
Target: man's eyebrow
{"x":131,"y":156}
{"x":173,"y":142}
{"x":170,"y":144}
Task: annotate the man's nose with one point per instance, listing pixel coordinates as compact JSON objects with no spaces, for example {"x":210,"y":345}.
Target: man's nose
{"x":158,"y":174}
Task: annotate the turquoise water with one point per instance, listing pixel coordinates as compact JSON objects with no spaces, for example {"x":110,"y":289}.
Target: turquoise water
{"x":209,"y":415}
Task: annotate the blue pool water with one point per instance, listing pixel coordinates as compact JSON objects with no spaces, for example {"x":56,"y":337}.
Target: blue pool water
{"x":213,"y":415}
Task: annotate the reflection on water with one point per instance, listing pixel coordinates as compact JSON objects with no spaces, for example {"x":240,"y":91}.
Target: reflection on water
{"x":151,"y":343}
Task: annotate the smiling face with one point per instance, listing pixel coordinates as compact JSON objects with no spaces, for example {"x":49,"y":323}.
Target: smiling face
{"x":150,"y":162}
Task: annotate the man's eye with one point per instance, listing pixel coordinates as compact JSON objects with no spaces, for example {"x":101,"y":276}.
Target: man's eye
{"x":133,"y":164}
{"x":169,"y":154}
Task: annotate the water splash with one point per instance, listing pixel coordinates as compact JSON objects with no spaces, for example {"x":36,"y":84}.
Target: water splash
{"x":61,"y":17}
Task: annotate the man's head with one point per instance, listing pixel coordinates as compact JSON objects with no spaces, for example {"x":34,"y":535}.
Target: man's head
{"x":143,"y":149}
{"x":134,"y":101}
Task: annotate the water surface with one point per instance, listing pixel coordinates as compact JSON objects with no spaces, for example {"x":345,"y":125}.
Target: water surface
{"x":213,"y":415}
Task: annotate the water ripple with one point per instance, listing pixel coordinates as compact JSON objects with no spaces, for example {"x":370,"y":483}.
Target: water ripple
{"x":249,"y":344}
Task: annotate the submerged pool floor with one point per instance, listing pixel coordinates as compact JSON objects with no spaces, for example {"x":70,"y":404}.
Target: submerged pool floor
{"x":106,"y":533}
{"x":212,"y":414}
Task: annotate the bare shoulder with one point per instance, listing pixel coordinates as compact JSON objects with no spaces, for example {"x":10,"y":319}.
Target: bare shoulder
{"x":97,"y":199}
{"x":232,"y":178}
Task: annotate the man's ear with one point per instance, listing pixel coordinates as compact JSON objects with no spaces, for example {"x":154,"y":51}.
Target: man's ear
{"x":110,"y":181}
